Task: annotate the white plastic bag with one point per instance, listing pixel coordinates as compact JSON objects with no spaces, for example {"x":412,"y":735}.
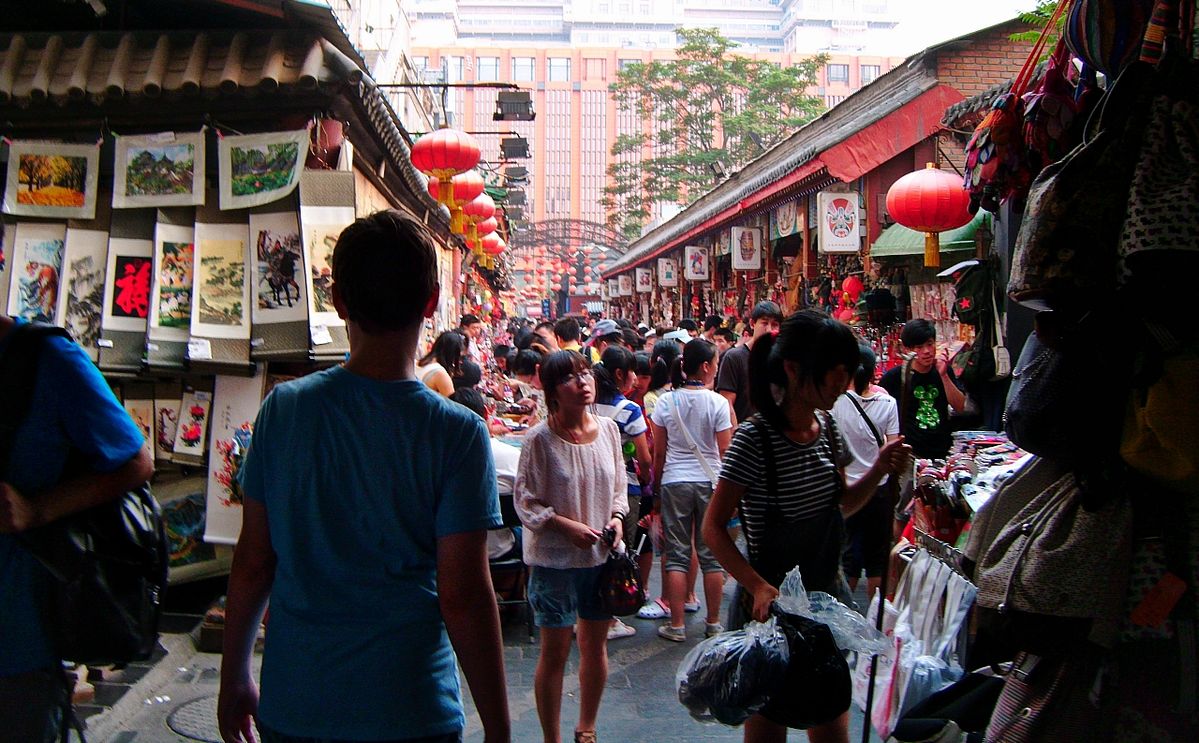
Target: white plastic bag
{"x":851,"y":631}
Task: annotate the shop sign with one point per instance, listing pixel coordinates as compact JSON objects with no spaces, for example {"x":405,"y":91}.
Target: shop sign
{"x":747,"y":248}
{"x":695,"y":266}
{"x":613,"y":288}
{"x":645,"y":281}
{"x":668,"y":272}
{"x":533,"y":311}
{"x":624,"y":283}
{"x":784,"y":220}
{"x":840,"y":228}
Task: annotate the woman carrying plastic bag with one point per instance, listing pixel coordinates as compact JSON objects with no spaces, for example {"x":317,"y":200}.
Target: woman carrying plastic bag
{"x":784,"y":470}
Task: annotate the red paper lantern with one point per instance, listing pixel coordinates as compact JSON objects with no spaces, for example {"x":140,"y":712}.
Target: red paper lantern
{"x":443,"y":154}
{"x":478,"y":209}
{"x":487,"y":226}
{"x":929,"y":201}
{"x":493,"y":244}
{"x":466,"y":187}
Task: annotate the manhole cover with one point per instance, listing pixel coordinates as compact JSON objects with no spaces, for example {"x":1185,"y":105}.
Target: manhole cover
{"x":196,"y":719}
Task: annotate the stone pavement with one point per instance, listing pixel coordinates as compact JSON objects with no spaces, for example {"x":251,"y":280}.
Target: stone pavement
{"x":175,"y":700}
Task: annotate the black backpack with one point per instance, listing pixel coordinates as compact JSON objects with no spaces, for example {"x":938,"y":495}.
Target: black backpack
{"x":109,"y":562}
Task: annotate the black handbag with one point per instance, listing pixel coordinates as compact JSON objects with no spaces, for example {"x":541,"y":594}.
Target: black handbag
{"x":619,"y":585}
{"x":816,"y":688}
{"x":109,"y":562}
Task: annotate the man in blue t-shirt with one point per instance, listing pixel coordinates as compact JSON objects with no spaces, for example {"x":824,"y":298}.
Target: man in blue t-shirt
{"x":368,"y":500}
{"x":72,"y":411}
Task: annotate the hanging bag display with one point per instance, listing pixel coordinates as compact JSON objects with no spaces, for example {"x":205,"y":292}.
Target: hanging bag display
{"x":109,"y":562}
{"x":1067,"y":247}
{"x":999,"y":352}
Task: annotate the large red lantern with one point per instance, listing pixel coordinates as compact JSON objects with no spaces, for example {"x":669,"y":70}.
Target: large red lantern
{"x":929,"y":201}
{"x":466,"y":187}
{"x":444,"y":154}
{"x":487,"y":226}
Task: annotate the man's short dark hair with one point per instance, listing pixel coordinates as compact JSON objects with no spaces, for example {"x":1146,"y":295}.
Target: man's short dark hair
{"x":567,"y":329}
{"x":526,"y":363}
{"x":727,"y":334}
{"x":472,"y":399}
{"x":544,"y":324}
{"x":917,"y":332}
{"x":689,"y":325}
{"x":385,"y":269}
{"x":468,"y":320}
{"x":712,"y":322}
{"x":766,"y":309}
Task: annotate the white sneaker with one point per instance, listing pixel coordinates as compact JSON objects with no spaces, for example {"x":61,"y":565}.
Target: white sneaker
{"x":711,"y":629}
{"x":619,"y":629}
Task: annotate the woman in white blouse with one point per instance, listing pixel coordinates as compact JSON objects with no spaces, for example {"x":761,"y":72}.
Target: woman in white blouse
{"x":570,"y":488}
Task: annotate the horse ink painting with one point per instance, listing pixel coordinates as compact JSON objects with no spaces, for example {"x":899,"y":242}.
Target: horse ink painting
{"x":36,"y":270}
{"x":175,"y":268}
{"x":222,"y":276}
{"x":52,"y":179}
{"x":278,"y":291}
{"x":257,"y":169}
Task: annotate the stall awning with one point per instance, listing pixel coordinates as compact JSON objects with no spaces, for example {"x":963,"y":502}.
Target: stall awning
{"x":898,"y":240}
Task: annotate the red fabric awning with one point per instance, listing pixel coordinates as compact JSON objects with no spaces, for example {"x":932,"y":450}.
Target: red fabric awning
{"x":910,"y":124}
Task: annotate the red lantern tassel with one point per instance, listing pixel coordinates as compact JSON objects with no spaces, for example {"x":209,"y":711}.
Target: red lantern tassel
{"x":932,"y":250}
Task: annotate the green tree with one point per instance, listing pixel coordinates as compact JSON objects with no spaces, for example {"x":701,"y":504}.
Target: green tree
{"x":710,"y":111}
{"x":1038,"y":18}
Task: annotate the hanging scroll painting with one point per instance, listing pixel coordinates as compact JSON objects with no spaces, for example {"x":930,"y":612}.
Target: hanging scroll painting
{"x":52,"y":179}
{"x":36,"y":271}
{"x":164,"y":169}
{"x":82,"y":292}
{"x":258,"y":169}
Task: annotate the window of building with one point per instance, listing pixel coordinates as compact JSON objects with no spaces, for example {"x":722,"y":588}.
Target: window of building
{"x":453,"y":69}
{"x":644,"y":9}
{"x":624,"y":9}
{"x":593,"y":69}
{"x":837,"y":73}
{"x":522,"y":69}
{"x":420,"y":63}
{"x":623,"y":64}
{"x":559,"y":69}
{"x":487,"y":69}
{"x":869,"y":73}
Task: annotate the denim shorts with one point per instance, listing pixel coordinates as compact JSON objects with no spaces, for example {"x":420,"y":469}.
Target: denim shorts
{"x":562,"y":595}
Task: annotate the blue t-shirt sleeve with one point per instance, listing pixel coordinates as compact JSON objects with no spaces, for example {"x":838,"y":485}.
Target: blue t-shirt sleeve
{"x":469,"y":499}
{"x":252,"y":475}
{"x":93,"y":419}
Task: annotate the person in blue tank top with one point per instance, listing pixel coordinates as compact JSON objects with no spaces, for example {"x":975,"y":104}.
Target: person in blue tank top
{"x":368,"y":500}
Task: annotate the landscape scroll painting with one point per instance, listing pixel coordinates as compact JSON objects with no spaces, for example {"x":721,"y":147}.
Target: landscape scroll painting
{"x":81,"y":303}
{"x":258,"y":169}
{"x":164,"y":169}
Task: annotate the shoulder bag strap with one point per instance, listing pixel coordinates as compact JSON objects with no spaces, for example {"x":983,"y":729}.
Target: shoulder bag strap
{"x":18,"y":373}
{"x":905,"y":389}
{"x":772,"y":479}
{"x":703,"y":461}
{"x":873,"y":428}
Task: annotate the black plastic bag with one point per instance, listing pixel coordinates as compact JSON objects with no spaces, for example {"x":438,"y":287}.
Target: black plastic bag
{"x":729,"y":677}
{"x":816,"y":688}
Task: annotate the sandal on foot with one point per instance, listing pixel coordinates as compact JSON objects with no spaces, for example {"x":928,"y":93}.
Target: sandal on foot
{"x":585,"y":736}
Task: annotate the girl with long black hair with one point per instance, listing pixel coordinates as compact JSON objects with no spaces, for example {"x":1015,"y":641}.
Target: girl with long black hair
{"x":784,"y":470}
{"x":444,"y":361}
